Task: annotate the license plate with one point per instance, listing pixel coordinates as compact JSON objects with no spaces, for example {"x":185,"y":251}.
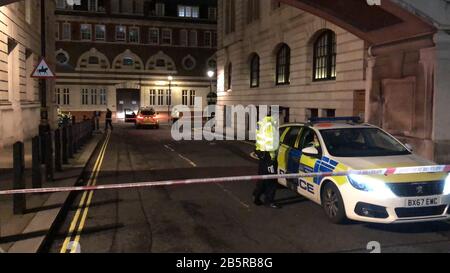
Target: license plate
{"x":423,"y":202}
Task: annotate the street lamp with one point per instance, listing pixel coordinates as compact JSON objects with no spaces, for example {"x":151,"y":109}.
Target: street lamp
{"x":212,"y":96}
{"x":169,"y":98}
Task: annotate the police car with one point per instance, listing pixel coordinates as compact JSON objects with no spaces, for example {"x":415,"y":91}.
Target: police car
{"x":342,"y":144}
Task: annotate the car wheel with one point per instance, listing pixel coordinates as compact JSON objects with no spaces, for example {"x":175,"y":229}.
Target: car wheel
{"x":137,"y":127}
{"x":333,"y":204}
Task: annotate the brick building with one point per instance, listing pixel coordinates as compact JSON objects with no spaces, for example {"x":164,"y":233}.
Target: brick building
{"x":119,"y":54}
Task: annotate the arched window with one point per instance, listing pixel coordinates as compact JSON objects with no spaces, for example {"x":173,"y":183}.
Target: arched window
{"x":283,"y":65}
{"x":254,"y":71}
{"x":229,"y":76}
{"x":325,"y":57}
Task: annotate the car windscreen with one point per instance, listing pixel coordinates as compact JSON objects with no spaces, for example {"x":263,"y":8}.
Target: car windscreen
{"x":361,"y":142}
{"x":148,"y":113}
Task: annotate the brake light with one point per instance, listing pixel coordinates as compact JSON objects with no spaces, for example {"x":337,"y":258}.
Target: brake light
{"x":140,"y":117}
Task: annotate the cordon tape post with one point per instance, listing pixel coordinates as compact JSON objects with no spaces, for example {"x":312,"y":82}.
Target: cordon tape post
{"x":385,"y":171}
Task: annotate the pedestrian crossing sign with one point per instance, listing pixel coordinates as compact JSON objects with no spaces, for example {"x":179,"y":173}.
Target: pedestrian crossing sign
{"x":43,"y":71}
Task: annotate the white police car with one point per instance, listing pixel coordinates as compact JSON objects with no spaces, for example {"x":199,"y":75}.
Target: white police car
{"x":341,"y":144}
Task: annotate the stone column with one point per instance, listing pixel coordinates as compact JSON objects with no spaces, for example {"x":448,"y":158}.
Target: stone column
{"x":441,"y":115}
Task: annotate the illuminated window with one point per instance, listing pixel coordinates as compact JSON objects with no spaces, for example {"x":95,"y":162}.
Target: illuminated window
{"x":283,"y":65}
{"x":325,"y":57}
{"x":254,"y":71}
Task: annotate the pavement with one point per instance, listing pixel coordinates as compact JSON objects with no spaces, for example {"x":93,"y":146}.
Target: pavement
{"x":27,"y":233}
{"x":213,"y":218}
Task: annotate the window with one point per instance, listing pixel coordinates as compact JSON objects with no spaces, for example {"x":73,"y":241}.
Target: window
{"x":207,"y":39}
{"x":66,"y":31}
{"x":188,"y":11}
{"x":229,"y":76}
{"x":283,"y":65}
{"x":62,"y":57}
{"x":92,"y":5}
{"x":160,"y":97}
{"x":193,"y":41}
{"x":189,"y":62}
{"x":312,"y":113}
{"x":57,"y":31}
{"x":153,"y":36}
{"x":100,"y":32}
{"x":325,"y":57}
{"x":103,"y":96}
{"x":291,"y":136}
{"x":185,"y":97}
{"x":127,"y":61}
{"x":166,"y":38}
{"x":254,"y":71}
{"x":160,"y":9}
{"x":212,"y":13}
{"x":58,"y":96}
{"x":329,"y":113}
{"x":152,"y":97}
{"x":168,"y":97}
{"x":230,"y":16}
{"x":61,"y":4}
{"x":86,"y":32}
{"x":183,"y":37}
{"x":66,"y":96}
{"x":84,"y":97}
{"x":192,"y":97}
{"x":94,"y":96}
{"x":133,"y":35}
{"x":252,"y":10}
{"x":121,"y":33}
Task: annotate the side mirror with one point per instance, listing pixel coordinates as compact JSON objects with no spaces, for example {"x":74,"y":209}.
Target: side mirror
{"x":311,"y":151}
{"x":409,"y":147}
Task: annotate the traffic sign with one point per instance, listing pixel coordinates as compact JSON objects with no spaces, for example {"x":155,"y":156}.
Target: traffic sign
{"x":43,"y":71}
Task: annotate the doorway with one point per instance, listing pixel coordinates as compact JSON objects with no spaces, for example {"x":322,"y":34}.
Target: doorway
{"x":128,"y":101}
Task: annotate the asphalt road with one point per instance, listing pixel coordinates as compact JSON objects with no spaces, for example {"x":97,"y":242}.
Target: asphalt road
{"x":217,"y":218}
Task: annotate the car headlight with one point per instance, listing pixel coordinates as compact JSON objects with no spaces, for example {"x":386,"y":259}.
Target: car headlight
{"x":447,"y":186}
{"x":369,"y":184}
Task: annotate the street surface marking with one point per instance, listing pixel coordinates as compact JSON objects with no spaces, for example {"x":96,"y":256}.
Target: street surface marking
{"x":81,"y":205}
{"x":192,"y":163}
{"x":233,"y":196}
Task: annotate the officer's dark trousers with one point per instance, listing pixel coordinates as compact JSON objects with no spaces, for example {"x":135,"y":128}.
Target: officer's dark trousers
{"x":266,"y":187}
{"x":108,"y":124}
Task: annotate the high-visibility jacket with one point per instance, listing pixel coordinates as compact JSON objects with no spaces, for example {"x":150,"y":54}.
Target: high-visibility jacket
{"x":267,"y":136}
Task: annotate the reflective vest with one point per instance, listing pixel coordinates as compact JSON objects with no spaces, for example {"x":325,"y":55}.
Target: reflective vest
{"x":267,"y":136}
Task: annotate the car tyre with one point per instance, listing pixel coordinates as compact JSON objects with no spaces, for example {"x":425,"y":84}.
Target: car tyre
{"x":333,"y":204}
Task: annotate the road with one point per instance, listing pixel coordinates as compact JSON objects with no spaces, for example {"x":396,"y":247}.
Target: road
{"x":217,"y":218}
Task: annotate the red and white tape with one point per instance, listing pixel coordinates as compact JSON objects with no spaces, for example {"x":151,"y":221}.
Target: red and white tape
{"x":386,"y":171}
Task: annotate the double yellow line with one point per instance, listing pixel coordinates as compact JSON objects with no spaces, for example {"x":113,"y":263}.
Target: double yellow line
{"x":83,"y":207}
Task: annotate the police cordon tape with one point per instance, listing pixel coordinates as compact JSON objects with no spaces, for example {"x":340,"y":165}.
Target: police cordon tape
{"x":385,"y":171}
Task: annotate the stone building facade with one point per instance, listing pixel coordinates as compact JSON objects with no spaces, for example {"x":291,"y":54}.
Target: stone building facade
{"x":119,"y":55}
{"x":258,"y":39}
{"x":385,"y":62}
{"x":20,"y":51}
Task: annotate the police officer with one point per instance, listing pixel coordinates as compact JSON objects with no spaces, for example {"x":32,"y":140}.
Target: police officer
{"x":108,"y":121}
{"x":267,"y":143}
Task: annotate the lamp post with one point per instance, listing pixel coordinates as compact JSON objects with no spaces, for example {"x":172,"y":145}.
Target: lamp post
{"x":212,"y":96}
{"x":169,"y":98}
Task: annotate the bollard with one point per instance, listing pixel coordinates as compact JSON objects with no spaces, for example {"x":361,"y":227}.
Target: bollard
{"x":70,"y":141}
{"x":36,"y":176}
{"x":19,"y":201}
{"x":42,"y":148}
{"x":49,"y":156}
{"x":65,"y":146}
{"x":58,"y":150}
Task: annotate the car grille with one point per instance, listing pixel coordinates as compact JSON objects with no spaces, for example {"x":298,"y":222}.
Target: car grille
{"x":420,"y":212}
{"x":417,"y":189}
